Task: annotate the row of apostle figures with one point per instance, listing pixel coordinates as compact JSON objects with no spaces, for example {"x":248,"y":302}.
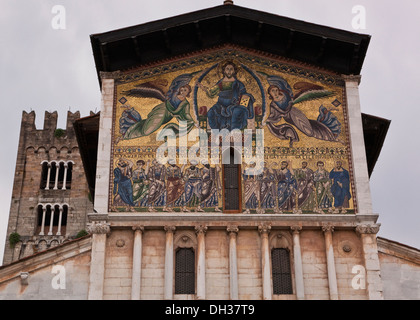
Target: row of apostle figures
{"x":276,"y":189}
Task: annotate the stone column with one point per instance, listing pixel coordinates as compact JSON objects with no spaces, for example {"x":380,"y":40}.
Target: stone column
{"x":60,"y":217}
{"x":265,"y":261}
{"x":57,"y":171}
{"x":332,"y":276}
{"x":44,"y":210}
{"x":201,"y":262}
{"x":51,"y":221}
{"x":99,"y":231}
{"x":137,"y":255}
{"x":169,"y":262}
{"x":360,"y":170}
{"x":297,"y":255}
{"x":47,"y":186}
{"x":65,"y":176}
{"x":370,"y":253}
{"x":233,"y":262}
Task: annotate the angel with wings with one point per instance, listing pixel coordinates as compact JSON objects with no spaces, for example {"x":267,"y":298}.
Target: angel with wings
{"x":174,"y":104}
{"x":283,"y":106}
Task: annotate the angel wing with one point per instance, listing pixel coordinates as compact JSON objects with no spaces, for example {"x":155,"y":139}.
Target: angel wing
{"x":277,"y":81}
{"x":178,"y":82}
{"x":308,"y":91}
{"x":150,"y":89}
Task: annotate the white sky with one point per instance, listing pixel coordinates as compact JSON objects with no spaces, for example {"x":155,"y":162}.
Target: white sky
{"x":46,"y":69}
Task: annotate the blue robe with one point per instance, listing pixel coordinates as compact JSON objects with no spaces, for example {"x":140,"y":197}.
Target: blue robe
{"x":285,"y":187}
{"x":340,"y":193}
{"x":227,"y":113}
{"x":124,"y":187}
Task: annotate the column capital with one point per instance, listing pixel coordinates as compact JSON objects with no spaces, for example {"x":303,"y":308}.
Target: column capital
{"x":200,"y":229}
{"x":367,"y":229}
{"x":296,"y":229}
{"x":232,"y":230}
{"x":264,"y":229}
{"x":169,"y":229}
{"x":352,"y":78}
{"x":327,"y":228}
{"x":138,"y":228}
{"x":109,"y":75}
{"x":99,"y":227}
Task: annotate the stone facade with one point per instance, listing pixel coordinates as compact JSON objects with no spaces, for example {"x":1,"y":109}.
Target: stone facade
{"x":45,"y":149}
{"x":327,"y":246}
{"x":39,"y":276}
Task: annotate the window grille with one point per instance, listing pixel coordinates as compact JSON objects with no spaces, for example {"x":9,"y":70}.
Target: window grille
{"x":282,"y":277}
{"x":231,"y":176}
{"x":185,"y":271}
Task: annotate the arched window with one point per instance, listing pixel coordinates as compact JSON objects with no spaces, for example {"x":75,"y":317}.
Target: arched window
{"x":52,"y":219}
{"x":56,"y":175}
{"x":185,"y":271}
{"x":281,"y":271}
{"x":44,"y":175}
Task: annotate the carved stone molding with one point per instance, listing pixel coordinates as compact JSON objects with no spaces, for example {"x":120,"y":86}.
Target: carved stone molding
{"x":200,"y":229}
{"x":264,"y":229}
{"x":296,"y":229}
{"x":352,"y":78}
{"x":328,"y":228}
{"x":169,"y":228}
{"x":99,"y":227}
{"x":138,"y":228}
{"x":110,"y":75}
{"x":24,"y":276}
{"x":232,"y":230}
{"x":367,"y":229}
{"x":120,"y":243}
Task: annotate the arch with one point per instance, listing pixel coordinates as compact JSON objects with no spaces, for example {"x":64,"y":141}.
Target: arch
{"x":64,"y":149}
{"x":280,"y":239}
{"x":185,"y":239}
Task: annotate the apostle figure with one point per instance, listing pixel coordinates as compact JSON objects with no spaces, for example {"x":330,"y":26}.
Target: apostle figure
{"x":140,"y":183}
{"x":268,"y":188}
{"x":123,"y":188}
{"x":193,"y":183}
{"x":286,"y":184}
{"x":174,"y":186}
{"x":251,"y":188}
{"x":340,"y":187}
{"x":211,"y":187}
{"x":323,"y":194}
{"x":157,"y":191}
{"x":305,"y":187}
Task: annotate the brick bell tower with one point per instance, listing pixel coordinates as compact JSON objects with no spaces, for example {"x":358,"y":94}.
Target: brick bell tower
{"x":50,"y":194}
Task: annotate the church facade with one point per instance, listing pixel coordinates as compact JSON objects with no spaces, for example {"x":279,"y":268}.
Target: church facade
{"x":229,"y":160}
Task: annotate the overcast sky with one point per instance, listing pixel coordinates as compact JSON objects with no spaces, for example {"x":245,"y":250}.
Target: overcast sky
{"x":42,"y":68}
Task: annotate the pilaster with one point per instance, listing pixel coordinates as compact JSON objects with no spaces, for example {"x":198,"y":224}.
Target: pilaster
{"x":297,"y":255}
{"x":264,"y":230}
{"x":233,"y":262}
{"x":367,"y":233}
{"x":358,"y":151}
{"x":201,"y":262}
{"x":332,"y":275}
{"x":99,"y":231}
